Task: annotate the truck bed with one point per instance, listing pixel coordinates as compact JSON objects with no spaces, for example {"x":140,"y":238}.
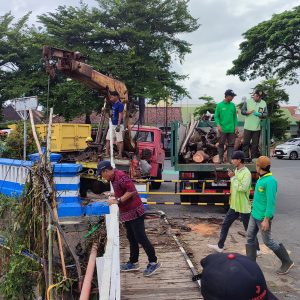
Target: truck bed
{"x":209,"y":167}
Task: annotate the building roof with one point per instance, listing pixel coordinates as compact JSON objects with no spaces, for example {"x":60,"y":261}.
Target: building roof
{"x":294,"y":111}
{"x":9,"y":114}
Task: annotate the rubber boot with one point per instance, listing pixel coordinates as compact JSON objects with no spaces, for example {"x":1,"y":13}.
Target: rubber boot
{"x":287,"y":263}
{"x":251,"y":251}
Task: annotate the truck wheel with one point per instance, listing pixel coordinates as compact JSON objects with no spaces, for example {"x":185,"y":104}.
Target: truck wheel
{"x":98,"y":187}
{"x":84,"y":187}
{"x":156,"y":185}
{"x":184,"y":199}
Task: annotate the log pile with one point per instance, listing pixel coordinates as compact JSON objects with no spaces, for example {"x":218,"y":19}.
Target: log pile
{"x":201,"y":145}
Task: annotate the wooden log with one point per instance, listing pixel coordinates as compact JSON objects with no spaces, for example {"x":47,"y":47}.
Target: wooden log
{"x":194,"y":124}
{"x":216,"y":159}
{"x":200,"y":156}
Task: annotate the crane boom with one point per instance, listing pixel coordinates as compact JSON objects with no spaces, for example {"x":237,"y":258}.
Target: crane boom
{"x":73,"y":65}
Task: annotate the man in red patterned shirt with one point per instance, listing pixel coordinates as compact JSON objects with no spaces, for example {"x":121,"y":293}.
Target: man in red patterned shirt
{"x":132,"y":213}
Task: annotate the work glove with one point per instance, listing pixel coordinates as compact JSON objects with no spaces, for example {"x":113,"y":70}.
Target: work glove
{"x":256,"y":114}
{"x":118,"y":128}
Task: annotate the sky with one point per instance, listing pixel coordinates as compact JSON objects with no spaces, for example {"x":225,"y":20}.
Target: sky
{"x":214,"y":45}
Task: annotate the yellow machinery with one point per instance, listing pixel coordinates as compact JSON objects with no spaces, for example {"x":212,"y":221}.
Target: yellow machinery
{"x":66,"y":137}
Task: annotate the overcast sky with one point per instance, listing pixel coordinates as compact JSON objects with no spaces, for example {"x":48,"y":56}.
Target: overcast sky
{"x":214,"y":45}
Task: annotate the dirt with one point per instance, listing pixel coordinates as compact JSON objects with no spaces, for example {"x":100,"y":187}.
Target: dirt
{"x":206,"y":231}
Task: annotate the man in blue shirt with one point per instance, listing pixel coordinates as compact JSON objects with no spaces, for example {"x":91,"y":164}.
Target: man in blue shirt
{"x":117,"y":122}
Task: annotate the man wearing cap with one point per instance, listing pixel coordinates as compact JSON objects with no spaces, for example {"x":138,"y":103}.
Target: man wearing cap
{"x":117,"y":122}
{"x":132,"y":214}
{"x":240,"y":205}
{"x":254,"y":110}
{"x":263,"y":209}
{"x":232,"y":277}
{"x":226,"y":120}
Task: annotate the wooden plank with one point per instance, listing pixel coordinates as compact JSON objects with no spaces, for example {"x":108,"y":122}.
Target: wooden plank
{"x":173,"y":281}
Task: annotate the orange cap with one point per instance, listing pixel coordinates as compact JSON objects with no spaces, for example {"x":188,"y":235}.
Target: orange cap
{"x":263,"y":162}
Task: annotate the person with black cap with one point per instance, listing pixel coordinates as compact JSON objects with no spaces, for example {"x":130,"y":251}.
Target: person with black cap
{"x":132,"y":213}
{"x":226,"y":120}
{"x":263,"y":208}
{"x":240,"y":205}
{"x":254,"y":110}
{"x":117,"y":124}
{"x":232,"y":276}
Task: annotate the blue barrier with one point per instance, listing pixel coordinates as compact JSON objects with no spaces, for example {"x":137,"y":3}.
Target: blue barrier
{"x":14,"y":175}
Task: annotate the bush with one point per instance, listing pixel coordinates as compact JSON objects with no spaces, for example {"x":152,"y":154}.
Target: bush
{"x":15,"y":143}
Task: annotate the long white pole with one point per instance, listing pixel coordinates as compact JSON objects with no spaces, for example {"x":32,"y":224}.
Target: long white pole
{"x":25,"y":135}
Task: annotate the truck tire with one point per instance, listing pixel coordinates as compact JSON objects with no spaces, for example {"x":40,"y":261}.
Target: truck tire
{"x":98,"y":187}
{"x":156,"y":185}
{"x":185,"y":199}
{"x":84,"y":187}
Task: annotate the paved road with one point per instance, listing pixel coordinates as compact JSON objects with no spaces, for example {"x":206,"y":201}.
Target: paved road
{"x":286,"y":224}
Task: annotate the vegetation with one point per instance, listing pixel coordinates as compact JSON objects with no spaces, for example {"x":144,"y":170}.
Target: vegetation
{"x":135,"y":42}
{"x":271,"y":49}
{"x":14,"y":145}
{"x":208,"y":106}
{"x":19,"y":274}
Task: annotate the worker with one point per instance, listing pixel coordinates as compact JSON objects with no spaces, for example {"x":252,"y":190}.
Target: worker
{"x":117,"y":124}
{"x":132,"y":213}
{"x":88,"y":141}
{"x":262,"y":214}
{"x":254,"y":109}
{"x":232,"y":276}
{"x":226,"y":120}
{"x":240,"y":205}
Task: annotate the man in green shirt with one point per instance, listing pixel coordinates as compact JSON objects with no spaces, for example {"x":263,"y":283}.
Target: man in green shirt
{"x":226,"y":120}
{"x":263,"y":209}
{"x":254,"y":110}
{"x":240,"y":205}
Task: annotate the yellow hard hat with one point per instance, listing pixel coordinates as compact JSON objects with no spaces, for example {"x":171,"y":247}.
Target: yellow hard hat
{"x":88,"y":139}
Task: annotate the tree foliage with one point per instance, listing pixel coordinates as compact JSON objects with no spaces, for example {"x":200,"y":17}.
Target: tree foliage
{"x":134,"y":41}
{"x":271,"y":49}
{"x":208,"y":106}
{"x":20,"y":65}
{"x":14,"y":145}
{"x":275,"y":95}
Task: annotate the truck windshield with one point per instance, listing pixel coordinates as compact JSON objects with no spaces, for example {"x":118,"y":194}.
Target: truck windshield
{"x":142,"y":136}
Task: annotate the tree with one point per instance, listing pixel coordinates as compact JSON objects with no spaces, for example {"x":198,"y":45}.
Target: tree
{"x":271,"y":49}
{"x":208,"y":106}
{"x":135,"y":42}
{"x":19,"y":60}
{"x":132,"y":40}
{"x":274,"y":95}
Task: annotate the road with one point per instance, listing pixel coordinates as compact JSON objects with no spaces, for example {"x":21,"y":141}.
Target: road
{"x":286,"y":223}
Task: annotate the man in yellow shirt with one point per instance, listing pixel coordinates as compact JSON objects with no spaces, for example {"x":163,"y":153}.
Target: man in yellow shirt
{"x":240,"y":205}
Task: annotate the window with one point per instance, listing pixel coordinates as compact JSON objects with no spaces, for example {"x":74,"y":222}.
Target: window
{"x":143,"y":136}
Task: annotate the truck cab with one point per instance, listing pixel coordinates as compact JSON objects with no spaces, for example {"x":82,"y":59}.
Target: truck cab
{"x":147,"y":137}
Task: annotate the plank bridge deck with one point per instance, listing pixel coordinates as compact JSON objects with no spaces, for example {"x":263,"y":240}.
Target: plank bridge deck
{"x":171,"y":282}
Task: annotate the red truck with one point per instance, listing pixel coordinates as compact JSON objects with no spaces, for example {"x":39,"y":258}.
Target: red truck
{"x":147,"y":137}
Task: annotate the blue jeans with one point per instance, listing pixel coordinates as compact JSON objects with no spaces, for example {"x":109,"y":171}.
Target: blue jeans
{"x":253,"y":228}
{"x":230,"y":217}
